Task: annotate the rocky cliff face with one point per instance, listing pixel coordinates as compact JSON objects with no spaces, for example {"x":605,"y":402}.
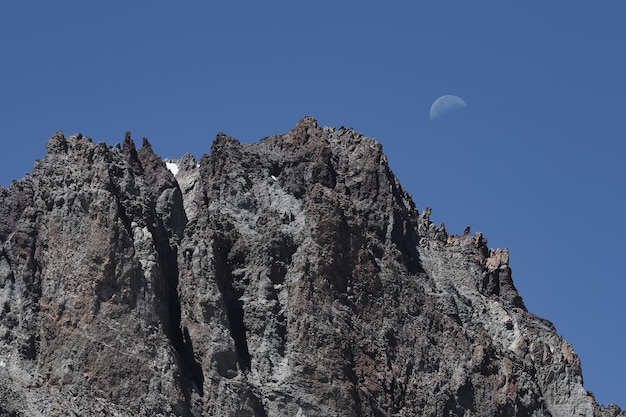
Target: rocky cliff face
{"x":291,"y":277}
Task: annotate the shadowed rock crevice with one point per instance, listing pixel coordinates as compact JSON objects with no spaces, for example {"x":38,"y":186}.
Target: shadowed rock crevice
{"x":281,"y":249}
{"x":170,"y":312}
{"x":166,"y":221}
{"x":227,"y":261}
{"x":257,"y":406}
{"x":28,"y":334}
{"x":15,"y":200}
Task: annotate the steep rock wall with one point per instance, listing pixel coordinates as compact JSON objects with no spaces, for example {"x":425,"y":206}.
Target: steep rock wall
{"x":290,"y":277}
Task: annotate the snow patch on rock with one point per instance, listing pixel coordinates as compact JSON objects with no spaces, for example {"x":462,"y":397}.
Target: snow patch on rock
{"x":172,"y":167}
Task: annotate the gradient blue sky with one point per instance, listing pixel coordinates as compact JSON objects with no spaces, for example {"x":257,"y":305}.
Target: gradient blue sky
{"x":535,"y":161}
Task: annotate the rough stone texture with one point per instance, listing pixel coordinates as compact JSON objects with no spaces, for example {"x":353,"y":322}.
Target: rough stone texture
{"x":291,"y":277}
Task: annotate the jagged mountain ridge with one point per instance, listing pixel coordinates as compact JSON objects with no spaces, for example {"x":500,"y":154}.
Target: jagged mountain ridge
{"x":290,"y":277}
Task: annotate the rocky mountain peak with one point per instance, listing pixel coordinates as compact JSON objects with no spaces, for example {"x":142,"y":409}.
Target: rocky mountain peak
{"x":290,"y":277}
{"x":57,"y":143}
{"x":306,"y":129}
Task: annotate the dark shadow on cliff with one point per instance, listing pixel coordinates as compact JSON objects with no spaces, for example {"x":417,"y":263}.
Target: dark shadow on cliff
{"x":193,"y":377}
{"x":196,"y":374}
{"x":227,"y":260}
{"x":169,"y":311}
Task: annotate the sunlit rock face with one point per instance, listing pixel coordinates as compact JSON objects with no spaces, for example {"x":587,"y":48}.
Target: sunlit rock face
{"x":289,"y":277}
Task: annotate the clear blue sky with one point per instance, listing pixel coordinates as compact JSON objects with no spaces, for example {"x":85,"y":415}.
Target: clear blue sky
{"x":535,"y":161}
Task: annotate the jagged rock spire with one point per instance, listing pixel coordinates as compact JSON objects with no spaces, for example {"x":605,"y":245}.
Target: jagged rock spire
{"x":57,"y":143}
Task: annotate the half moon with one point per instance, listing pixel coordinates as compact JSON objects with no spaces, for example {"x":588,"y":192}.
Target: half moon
{"x":446,"y":104}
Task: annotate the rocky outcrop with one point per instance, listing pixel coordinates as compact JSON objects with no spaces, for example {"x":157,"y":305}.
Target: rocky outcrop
{"x":289,"y":277}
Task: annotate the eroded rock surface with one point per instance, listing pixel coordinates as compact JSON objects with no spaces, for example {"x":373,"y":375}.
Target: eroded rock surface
{"x":290,"y":277}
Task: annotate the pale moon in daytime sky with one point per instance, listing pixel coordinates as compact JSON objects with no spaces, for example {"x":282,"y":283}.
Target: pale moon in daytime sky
{"x":446,"y":104}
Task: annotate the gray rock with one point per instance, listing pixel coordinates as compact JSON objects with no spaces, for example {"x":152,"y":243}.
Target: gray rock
{"x":289,"y":277}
